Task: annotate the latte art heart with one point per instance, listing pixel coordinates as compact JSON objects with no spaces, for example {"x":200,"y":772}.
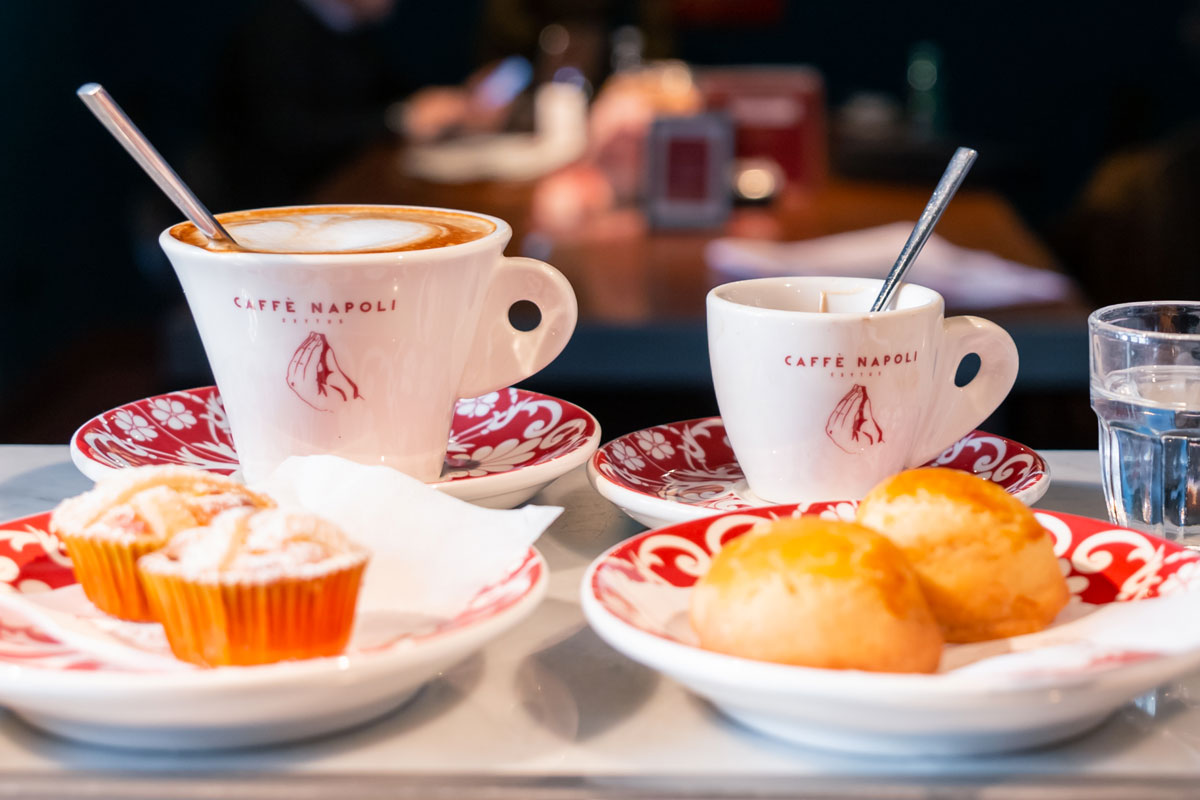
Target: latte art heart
{"x":341,"y":229}
{"x":329,"y":232}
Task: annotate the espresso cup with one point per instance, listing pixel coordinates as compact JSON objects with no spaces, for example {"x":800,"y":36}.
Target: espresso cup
{"x":352,"y":330}
{"x":821,"y":399}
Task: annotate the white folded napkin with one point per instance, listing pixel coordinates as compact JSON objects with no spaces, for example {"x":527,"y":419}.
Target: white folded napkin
{"x":431,"y":555}
{"x":966,"y":278}
{"x":1086,"y":638}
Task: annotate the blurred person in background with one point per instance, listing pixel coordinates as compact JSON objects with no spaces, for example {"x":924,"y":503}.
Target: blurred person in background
{"x":302,"y":86}
{"x":1131,"y":233}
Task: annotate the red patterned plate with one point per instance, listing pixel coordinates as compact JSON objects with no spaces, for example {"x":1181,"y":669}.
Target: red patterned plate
{"x":687,"y":470}
{"x":59,"y":688}
{"x":1102,"y":651}
{"x":504,"y":446}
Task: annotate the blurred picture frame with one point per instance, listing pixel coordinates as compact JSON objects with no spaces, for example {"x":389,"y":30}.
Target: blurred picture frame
{"x":689,"y":163}
{"x":778,"y":113}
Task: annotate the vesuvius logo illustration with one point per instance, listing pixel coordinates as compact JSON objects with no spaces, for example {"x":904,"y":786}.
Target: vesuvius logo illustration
{"x":852,"y":425}
{"x":314,"y":375}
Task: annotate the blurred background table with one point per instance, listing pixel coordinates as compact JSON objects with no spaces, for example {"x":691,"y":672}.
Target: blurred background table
{"x":1089,"y":150}
{"x":625,"y":273}
{"x":640,"y":355}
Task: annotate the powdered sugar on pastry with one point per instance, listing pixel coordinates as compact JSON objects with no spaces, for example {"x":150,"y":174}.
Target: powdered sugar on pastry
{"x":244,"y":545}
{"x":151,"y":503}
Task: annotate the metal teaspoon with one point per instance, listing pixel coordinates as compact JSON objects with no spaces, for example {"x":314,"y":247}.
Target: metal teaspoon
{"x":952,"y":178}
{"x":137,"y":145}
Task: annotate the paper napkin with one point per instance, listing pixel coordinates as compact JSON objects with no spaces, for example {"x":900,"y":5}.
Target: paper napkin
{"x":1087,"y":638}
{"x":430,"y":553}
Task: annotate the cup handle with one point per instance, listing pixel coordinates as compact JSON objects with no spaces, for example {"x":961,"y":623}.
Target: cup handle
{"x":501,"y":355}
{"x":956,"y":410}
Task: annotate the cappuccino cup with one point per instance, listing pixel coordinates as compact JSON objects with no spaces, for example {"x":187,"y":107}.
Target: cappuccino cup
{"x":352,"y":330}
{"x":821,"y":398}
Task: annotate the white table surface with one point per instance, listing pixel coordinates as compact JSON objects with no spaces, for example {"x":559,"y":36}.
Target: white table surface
{"x":550,"y":711}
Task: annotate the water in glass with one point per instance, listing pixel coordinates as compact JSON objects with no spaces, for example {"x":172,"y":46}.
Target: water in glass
{"x":1149,"y":419}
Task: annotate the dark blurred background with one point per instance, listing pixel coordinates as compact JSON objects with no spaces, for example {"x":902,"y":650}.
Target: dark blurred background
{"x":1086,"y":114}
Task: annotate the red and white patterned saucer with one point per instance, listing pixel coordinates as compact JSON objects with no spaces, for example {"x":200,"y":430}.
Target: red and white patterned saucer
{"x":504,"y":446}
{"x":687,"y":470}
{"x":988,"y":697}
{"x":70,"y":693}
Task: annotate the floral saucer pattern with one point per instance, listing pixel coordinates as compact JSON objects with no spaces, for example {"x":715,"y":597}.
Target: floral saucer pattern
{"x":504,"y":446}
{"x":687,"y":470}
{"x":988,"y":697}
{"x":71,"y":693}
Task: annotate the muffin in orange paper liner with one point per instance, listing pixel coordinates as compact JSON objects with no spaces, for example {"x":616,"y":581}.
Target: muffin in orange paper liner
{"x":255,"y":587}
{"x":132,"y":513}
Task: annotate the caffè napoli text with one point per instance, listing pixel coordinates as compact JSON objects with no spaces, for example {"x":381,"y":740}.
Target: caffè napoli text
{"x":290,"y":306}
{"x":841,"y":362}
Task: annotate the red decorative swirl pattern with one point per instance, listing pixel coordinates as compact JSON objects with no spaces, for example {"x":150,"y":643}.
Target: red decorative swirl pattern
{"x":1102,"y":563}
{"x":692,"y":463}
{"x":499,"y":432}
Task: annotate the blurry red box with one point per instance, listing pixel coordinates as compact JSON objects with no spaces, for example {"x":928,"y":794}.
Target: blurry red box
{"x":778,"y":113}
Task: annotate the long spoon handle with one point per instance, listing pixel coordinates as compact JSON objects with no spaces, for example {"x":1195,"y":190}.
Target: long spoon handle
{"x":124,"y":131}
{"x":952,"y":178}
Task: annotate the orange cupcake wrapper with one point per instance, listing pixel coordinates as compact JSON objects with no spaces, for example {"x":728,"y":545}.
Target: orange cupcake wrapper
{"x":108,"y":573}
{"x":225,"y":624}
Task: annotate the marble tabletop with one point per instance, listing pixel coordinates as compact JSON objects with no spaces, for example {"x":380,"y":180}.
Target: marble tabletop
{"x":550,"y":711}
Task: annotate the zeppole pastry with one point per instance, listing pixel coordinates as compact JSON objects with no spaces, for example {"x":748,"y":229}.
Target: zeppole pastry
{"x":816,"y":593}
{"x":255,"y":587}
{"x":134,"y":512}
{"x":986,"y":566}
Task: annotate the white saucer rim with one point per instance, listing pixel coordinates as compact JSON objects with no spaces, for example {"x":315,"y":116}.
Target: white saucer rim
{"x":19,"y":683}
{"x":523,"y":477}
{"x":643,"y":507}
{"x":825,"y":683}
{"x":467,"y":489}
{"x":1037,"y":490}
{"x":723,"y":680}
{"x":654,"y":511}
{"x":733,"y":683}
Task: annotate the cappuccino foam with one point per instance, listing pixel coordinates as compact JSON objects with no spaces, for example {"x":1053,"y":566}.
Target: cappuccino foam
{"x":340,"y":229}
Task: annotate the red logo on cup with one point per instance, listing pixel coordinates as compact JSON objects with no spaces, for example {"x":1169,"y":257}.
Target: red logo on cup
{"x":852,"y":425}
{"x":314,"y":375}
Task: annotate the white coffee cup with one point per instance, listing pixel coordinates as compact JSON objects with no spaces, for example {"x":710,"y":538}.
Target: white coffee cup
{"x":363,"y":354}
{"x":821,"y":399}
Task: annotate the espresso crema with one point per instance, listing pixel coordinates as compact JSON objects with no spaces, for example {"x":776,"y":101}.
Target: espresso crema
{"x":340,"y":229}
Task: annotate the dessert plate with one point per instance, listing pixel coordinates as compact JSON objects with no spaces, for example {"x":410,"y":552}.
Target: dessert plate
{"x":72,"y":694}
{"x":687,"y":470}
{"x":992,"y":696}
{"x":504,"y":446}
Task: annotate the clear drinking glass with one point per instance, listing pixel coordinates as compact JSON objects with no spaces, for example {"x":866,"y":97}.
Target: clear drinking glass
{"x":1145,"y":381}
